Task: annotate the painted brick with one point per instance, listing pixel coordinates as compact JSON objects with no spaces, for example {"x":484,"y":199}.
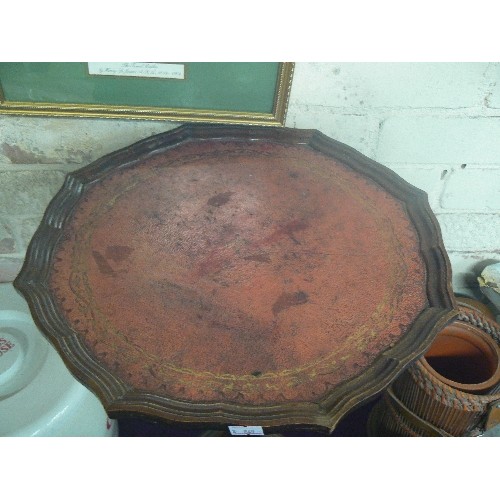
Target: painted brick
{"x":472,"y":189}
{"x":429,"y":139}
{"x":492,"y":99}
{"x":35,"y":140}
{"x":27,"y":228}
{"x":28,"y":192}
{"x":471,"y":232}
{"x":9,"y":268}
{"x":358,"y":131}
{"x":8,"y":243}
{"x":36,"y":167}
{"x":408,"y":85}
{"x":429,"y":178}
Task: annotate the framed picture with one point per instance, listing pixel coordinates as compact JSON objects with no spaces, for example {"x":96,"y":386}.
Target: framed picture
{"x":226,"y":92}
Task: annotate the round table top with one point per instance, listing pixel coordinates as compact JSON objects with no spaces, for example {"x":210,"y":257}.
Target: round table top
{"x":244,"y":269}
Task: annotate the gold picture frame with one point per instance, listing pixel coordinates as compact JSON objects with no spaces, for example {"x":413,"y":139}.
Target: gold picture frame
{"x":273,"y":117}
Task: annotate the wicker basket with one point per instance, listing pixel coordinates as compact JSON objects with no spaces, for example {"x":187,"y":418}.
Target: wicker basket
{"x":424,"y":402}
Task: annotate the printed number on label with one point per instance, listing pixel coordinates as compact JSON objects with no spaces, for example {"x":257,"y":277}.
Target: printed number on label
{"x":246,"y":430}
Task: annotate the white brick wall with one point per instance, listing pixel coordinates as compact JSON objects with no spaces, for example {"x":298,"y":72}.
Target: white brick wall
{"x":472,"y":189}
{"x":430,"y":178}
{"x":435,"y":124}
{"x":389,"y":85}
{"x":37,"y":140}
{"x":470,"y":232}
{"x":493,"y":91}
{"x":358,"y":131}
{"x":439,"y":139}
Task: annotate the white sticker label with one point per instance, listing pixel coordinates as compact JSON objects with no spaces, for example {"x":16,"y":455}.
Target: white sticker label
{"x":139,"y":69}
{"x":246,"y":430}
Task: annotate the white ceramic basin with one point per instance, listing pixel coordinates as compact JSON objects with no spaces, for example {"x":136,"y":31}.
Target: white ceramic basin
{"x":38,"y":395}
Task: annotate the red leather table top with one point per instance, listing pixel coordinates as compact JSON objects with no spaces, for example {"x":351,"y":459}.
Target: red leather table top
{"x":237,"y":271}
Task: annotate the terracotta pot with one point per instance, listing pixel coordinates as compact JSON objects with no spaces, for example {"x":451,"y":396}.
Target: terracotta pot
{"x":455,"y":412}
{"x":464,"y":357}
{"x":451,"y":389}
